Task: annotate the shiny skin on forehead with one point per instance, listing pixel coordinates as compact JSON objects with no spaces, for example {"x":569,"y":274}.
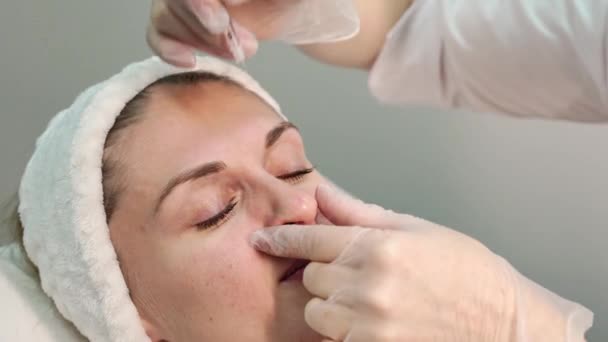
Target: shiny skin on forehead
{"x":213,"y":102}
{"x":216,"y":112}
{"x":186,"y":125}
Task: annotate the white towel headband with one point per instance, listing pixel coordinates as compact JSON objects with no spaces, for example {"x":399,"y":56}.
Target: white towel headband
{"x":66,"y":235}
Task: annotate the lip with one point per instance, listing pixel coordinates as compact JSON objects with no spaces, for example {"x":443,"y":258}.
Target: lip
{"x":294,"y":271}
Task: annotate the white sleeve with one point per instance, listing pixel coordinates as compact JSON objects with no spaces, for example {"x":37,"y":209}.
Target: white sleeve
{"x":545,"y":58}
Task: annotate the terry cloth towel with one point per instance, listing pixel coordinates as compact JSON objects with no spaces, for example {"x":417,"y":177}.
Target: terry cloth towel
{"x":66,"y":235}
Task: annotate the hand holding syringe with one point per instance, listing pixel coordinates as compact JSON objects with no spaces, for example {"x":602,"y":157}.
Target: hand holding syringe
{"x":234,"y":44}
{"x":231,"y":28}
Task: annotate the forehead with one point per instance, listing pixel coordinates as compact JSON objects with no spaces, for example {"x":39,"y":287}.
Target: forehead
{"x":183,"y":125}
{"x":211,"y":101}
{"x":207,"y":110}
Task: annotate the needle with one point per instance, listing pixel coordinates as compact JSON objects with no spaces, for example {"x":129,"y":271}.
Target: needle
{"x":234,"y":45}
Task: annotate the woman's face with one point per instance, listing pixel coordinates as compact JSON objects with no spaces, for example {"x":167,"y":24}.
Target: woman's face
{"x":206,"y":166}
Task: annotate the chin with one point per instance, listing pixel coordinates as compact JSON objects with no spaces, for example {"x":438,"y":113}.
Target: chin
{"x":290,"y":323}
{"x":305,"y":334}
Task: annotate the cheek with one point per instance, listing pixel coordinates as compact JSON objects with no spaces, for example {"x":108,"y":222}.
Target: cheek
{"x":226,"y":273}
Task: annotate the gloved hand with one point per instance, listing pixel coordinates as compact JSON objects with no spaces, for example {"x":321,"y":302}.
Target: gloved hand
{"x":413,"y":280}
{"x":180,"y":27}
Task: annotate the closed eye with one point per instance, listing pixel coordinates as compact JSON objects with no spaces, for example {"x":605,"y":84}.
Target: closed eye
{"x":296,"y":176}
{"x":224,"y":215}
{"x":219,"y":218}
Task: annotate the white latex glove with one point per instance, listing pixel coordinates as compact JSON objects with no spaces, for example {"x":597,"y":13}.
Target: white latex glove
{"x":413,"y":280}
{"x":178,"y":28}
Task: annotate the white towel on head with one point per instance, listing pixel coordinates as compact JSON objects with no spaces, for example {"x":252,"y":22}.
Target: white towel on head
{"x":27,"y":313}
{"x":66,"y":235}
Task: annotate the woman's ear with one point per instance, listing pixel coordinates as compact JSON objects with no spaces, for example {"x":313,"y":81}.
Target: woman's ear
{"x":152,"y":331}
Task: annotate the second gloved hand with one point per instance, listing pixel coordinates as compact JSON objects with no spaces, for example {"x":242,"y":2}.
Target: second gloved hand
{"x":178,"y":28}
{"x":383,"y":276}
{"x":409,"y":281}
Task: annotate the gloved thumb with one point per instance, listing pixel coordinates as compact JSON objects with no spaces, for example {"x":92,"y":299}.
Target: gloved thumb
{"x":341,"y":209}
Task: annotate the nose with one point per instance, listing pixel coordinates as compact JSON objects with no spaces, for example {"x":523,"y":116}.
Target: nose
{"x":292,"y":204}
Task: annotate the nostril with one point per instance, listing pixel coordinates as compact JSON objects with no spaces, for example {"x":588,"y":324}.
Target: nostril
{"x":292,"y":223}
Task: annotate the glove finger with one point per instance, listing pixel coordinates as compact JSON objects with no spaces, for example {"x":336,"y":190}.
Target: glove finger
{"x":344,"y":210}
{"x":208,"y":21}
{"x":173,"y":28}
{"x":204,"y":16}
{"x":322,"y":220}
{"x":328,"y":319}
{"x":198,"y":28}
{"x":248,"y":41}
{"x":168,"y":26}
{"x":169,"y":36}
{"x":235,"y":2}
{"x":322,"y":280}
{"x":171,"y":51}
{"x":315,"y":243}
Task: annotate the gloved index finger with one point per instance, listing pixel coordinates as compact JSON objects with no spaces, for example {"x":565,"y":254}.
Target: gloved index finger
{"x":316,"y":243}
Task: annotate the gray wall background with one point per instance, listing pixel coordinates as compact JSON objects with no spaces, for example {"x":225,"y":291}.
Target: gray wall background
{"x":535,"y":192}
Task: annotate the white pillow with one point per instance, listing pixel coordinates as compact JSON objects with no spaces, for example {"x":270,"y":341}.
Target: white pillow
{"x":26,"y":312}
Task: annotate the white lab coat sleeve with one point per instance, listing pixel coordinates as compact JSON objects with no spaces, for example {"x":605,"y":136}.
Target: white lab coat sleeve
{"x":544,"y":58}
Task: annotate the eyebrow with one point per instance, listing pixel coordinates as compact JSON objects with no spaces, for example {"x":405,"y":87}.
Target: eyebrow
{"x":275,"y":133}
{"x":190,"y":175}
{"x":217,"y":166}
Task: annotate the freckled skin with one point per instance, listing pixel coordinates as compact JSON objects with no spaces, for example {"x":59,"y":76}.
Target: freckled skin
{"x":211,"y":285}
